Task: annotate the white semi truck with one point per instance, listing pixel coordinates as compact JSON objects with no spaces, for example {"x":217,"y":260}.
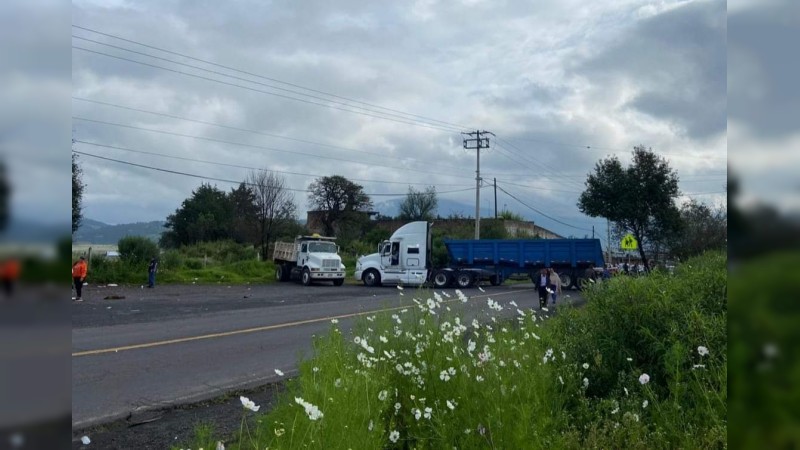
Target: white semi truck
{"x":308,"y":259}
{"x":403,"y":259}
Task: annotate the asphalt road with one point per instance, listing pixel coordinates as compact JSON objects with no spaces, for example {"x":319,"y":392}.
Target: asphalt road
{"x":179,"y":344}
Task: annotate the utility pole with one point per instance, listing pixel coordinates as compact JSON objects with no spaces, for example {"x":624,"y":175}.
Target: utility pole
{"x":495,"y":198}
{"x":479,"y":143}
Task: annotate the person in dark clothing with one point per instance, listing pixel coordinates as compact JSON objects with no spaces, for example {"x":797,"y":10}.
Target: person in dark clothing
{"x":542,"y":281}
{"x":151,"y":273}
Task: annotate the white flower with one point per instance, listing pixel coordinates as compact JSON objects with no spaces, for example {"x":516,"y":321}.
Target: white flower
{"x":366,"y":346}
{"x":427,"y":413}
{"x":626,"y":391}
{"x":560,"y":379}
{"x":397,"y":406}
{"x":644,"y":378}
{"x":478,"y":378}
{"x":278,"y":372}
{"x":585,"y":382}
{"x":615,"y":410}
{"x":452,"y":371}
{"x":422,"y":321}
{"x":444,"y":376}
{"x":382,"y":395}
{"x":383,"y":339}
{"x":475,"y":324}
{"x":481,"y":289}
{"x":698,"y":366}
{"x":334,"y":321}
{"x":629,"y":359}
{"x":315,"y":369}
{"x":585,"y":366}
{"x":370,"y":426}
{"x":535,"y":336}
{"x":338,"y":382}
{"x":311,"y":410}
{"x":85,"y":440}
{"x":394,"y":436}
{"x":357,"y":340}
{"x":545,"y":309}
{"x":513,"y":303}
{"x":471,"y":346}
{"x":220,"y":445}
{"x":451,"y":405}
{"x":399,"y":288}
{"x":703,"y":351}
{"x":248,"y":404}
{"x":645,"y":403}
{"x":417,"y":413}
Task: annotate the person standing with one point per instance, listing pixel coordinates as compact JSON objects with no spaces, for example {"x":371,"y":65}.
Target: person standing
{"x":151,"y":273}
{"x":555,"y":286}
{"x":541,"y":284}
{"x":79,"y":270}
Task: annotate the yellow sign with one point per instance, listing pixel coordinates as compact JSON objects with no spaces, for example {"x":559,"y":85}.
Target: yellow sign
{"x":628,"y":243}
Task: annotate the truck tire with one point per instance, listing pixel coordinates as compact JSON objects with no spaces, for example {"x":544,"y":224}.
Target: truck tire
{"x":495,"y":280}
{"x":371,"y":278}
{"x":442,"y":279}
{"x":464,"y":280}
{"x":281,"y":272}
{"x":338,"y":282}
{"x":305,"y":278}
{"x":566,"y":279}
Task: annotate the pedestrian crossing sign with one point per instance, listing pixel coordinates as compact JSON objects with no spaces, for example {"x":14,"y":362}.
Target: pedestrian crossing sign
{"x":629,"y":242}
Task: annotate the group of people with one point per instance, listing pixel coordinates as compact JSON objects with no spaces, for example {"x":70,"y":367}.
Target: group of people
{"x":548,"y":284}
{"x":80,"y":269}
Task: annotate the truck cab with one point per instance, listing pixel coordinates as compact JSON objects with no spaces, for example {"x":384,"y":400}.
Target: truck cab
{"x":402,"y":259}
{"x":309,"y":259}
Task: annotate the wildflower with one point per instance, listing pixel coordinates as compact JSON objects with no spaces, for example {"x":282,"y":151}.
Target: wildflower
{"x":397,"y":407}
{"x":444,"y":376}
{"x":451,"y":405}
{"x":561,"y":379}
{"x":545,"y":309}
{"x":417,"y":413}
{"x":585,"y":382}
{"x":471,"y":346}
{"x":585,"y":366}
{"x":428,"y":412}
{"x":249,"y":404}
{"x":334,"y":321}
{"x":644,"y":378}
{"x":366,"y":346}
{"x":626,"y":391}
{"x":536,"y":337}
{"x":478,"y":378}
{"x":399,"y":288}
{"x":629,"y":359}
{"x":645,"y":403}
{"x":357,"y":340}
{"x":698,"y":366}
{"x":394,"y":436}
{"x":422,"y":321}
{"x":399,"y":367}
{"x":383,"y":339}
{"x":279,"y":432}
{"x":481,"y":289}
{"x":311,"y":410}
{"x":220,"y":445}
{"x":370,"y":426}
{"x":703,"y":351}
{"x":452,"y":371}
{"x":513,"y":303}
{"x":382,"y":395}
{"x":85,"y":440}
{"x":278,"y":372}
{"x":431,"y":304}
{"x":520,"y":312}
{"x":475,"y":324}
{"x":315,"y":369}
{"x":338,"y":382}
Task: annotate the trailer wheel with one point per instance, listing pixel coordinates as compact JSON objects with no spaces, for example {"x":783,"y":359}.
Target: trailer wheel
{"x":441,"y":279}
{"x":305,"y":278}
{"x":464,"y":280}
{"x":281,"y":273}
{"x":566,"y":279}
{"x":338,"y":282}
{"x":495,"y":280}
{"x":371,"y":278}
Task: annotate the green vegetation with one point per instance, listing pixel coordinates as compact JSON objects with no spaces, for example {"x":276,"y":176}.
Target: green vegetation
{"x":642,"y":365}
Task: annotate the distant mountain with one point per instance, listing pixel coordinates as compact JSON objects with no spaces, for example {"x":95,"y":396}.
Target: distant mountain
{"x":96,"y":232}
{"x":24,"y":231}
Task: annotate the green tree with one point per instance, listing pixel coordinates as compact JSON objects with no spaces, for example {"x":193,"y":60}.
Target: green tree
{"x":77,"y":193}
{"x":340,"y":202}
{"x":638,"y":199}
{"x":703,"y":228}
{"x":243,"y":221}
{"x":419,"y":205}
{"x":137,"y":250}
{"x":205,"y":216}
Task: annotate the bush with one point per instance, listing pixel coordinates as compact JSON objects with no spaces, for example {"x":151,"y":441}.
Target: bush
{"x":137,"y":250}
{"x":220,"y":251}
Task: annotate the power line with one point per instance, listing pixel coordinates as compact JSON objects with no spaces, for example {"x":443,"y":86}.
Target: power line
{"x":221,"y":141}
{"x":545,"y":166}
{"x":434,"y":127}
{"x":223,"y":180}
{"x":216,"y":163}
{"x":261,"y":133}
{"x":537,"y":188}
{"x":459,"y":126}
{"x":540,"y":212}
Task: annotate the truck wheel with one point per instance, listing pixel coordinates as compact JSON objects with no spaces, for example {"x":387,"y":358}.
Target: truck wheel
{"x":495,"y":280}
{"x":566,"y":279}
{"x":464,"y":280}
{"x":441,"y":279}
{"x":281,"y":273}
{"x":338,"y":282}
{"x":371,"y":278}
{"x":305,"y":278}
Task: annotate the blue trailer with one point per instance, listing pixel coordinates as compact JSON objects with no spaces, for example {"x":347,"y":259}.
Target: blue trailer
{"x":497,"y":259}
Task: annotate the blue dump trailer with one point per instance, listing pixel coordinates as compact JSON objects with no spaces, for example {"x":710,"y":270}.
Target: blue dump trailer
{"x":405,"y":258}
{"x":497,"y":259}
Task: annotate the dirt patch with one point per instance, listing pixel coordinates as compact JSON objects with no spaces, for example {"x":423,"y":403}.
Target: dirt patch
{"x":164,"y":428}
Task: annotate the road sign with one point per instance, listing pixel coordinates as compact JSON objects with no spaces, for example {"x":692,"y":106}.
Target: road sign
{"x":628,"y":243}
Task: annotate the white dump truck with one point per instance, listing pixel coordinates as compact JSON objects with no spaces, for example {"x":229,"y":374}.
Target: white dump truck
{"x":308,"y":259}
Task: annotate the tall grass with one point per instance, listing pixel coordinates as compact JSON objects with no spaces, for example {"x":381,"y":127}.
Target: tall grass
{"x":430,"y":377}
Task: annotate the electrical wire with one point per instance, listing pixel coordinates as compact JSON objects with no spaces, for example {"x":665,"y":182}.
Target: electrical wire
{"x":540,"y":212}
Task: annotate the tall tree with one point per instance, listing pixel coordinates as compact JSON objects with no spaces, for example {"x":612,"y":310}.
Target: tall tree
{"x":77,"y":193}
{"x":205,"y":216}
{"x":704,"y":228}
{"x":419,"y":205}
{"x":338,"y":199}
{"x":273,"y":206}
{"x":243,"y":221}
{"x":638,"y":199}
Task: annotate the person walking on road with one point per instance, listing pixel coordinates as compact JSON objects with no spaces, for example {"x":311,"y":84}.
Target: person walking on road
{"x":151,"y":273}
{"x":79,"y":270}
{"x":541,"y":285}
{"x":555,"y":286}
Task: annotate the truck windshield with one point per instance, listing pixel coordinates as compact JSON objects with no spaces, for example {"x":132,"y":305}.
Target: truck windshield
{"x":321,"y":247}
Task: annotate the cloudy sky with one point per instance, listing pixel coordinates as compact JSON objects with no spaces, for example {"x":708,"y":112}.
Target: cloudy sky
{"x":379,"y":92}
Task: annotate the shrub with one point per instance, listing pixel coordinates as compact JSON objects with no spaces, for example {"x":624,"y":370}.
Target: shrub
{"x":137,"y":250}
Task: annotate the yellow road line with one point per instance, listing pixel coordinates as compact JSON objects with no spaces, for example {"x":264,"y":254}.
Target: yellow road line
{"x":256,"y":329}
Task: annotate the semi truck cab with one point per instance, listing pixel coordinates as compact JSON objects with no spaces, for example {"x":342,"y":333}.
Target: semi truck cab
{"x":402,"y":259}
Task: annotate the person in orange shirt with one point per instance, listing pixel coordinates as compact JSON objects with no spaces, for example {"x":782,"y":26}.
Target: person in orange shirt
{"x":9,"y":273}
{"x":78,"y":275}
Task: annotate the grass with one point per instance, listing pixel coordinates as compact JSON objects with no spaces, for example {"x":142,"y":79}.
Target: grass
{"x":426,"y":377}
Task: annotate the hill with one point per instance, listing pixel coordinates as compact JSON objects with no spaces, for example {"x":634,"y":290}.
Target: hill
{"x":96,"y":232}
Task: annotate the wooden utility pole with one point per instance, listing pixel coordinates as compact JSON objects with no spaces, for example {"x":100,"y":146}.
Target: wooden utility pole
{"x":479,"y":143}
